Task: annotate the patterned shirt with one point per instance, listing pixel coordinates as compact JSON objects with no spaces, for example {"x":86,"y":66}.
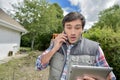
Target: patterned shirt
{"x":100,"y":61}
{"x":63,"y":77}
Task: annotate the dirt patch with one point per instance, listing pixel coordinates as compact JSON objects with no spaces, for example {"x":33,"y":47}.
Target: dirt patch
{"x":23,"y":68}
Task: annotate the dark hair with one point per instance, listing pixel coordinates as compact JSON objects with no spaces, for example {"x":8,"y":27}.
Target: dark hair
{"x":73,"y":16}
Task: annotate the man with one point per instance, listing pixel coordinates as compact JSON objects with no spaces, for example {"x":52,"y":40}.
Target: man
{"x":70,"y":48}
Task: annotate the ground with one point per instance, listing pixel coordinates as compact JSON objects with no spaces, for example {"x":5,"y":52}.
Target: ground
{"x":22,"y":67}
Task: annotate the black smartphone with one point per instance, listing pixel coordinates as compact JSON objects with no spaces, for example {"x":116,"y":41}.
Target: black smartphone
{"x":67,"y":37}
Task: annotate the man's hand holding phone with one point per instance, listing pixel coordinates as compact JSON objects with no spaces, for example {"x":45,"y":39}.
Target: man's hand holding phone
{"x":59,"y":40}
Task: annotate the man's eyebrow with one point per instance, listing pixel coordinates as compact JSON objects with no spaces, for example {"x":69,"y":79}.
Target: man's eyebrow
{"x":68,"y":24}
{"x":79,"y":24}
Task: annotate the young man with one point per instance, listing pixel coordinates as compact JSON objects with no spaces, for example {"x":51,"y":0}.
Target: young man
{"x":70,"y":48}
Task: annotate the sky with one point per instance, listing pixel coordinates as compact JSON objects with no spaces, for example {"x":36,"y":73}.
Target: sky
{"x":89,"y":8}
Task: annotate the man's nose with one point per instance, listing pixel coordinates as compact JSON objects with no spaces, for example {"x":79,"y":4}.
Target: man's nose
{"x":72,"y":31}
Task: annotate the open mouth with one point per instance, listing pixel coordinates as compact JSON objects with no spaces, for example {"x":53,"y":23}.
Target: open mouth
{"x":73,"y":38}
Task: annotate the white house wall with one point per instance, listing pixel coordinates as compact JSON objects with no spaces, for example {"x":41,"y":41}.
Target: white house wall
{"x":9,"y":41}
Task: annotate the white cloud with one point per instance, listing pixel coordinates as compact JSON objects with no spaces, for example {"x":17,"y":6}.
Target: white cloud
{"x":91,"y":8}
{"x":7,"y":4}
{"x":4,"y":4}
{"x":66,"y":10}
{"x":74,"y":2}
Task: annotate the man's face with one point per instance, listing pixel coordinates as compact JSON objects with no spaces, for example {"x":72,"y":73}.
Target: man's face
{"x":73,"y":30}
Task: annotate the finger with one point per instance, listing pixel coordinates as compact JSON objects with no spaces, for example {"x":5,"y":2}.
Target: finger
{"x":58,"y":41}
{"x":88,"y":78}
{"x":63,"y":31}
{"x":79,"y":78}
{"x":62,"y":40}
{"x":63,"y":36}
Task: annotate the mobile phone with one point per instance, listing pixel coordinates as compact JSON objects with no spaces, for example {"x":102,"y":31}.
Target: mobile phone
{"x":67,"y":37}
{"x":54,"y":35}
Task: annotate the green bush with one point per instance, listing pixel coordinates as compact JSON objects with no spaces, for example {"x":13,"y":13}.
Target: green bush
{"x":25,"y":49}
{"x":110,"y":43}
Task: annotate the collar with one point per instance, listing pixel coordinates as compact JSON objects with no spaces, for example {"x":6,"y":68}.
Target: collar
{"x":74,"y":44}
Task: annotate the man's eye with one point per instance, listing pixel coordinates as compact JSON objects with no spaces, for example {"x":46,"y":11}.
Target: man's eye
{"x":78,"y":27}
{"x":68,"y":27}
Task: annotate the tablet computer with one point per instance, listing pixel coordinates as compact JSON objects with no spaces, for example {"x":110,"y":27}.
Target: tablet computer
{"x":94,"y":71}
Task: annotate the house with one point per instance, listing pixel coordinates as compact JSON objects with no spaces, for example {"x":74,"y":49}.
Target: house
{"x":10,"y":35}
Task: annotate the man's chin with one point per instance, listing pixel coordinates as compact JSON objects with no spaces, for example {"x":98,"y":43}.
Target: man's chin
{"x":72,"y":42}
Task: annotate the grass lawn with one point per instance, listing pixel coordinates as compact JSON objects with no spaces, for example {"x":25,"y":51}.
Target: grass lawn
{"x":23,"y":69}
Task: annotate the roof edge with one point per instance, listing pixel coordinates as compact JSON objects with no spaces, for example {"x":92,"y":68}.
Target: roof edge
{"x":8,"y":25}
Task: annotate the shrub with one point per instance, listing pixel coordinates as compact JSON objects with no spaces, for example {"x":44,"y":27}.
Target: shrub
{"x":110,"y":43}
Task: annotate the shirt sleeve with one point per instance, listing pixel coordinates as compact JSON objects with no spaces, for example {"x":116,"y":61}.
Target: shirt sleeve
{"x":39,"y":65}
{"x":101,"y":61}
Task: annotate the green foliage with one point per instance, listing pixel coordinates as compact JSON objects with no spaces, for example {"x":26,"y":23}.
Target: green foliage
{"x":107,"y":32}
{"x":110,"y":43}
{"x":41,"y":19}
{"x":43,"y":41}
{"x":109,"y":18}
{"x":25,"y":49}
{"x":25,"y":40}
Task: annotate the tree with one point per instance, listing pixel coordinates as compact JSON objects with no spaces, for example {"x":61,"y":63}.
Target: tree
{"x":107,"y":32}
{"x":110,"y":43}
{"x":109,"y":18}
{"x":39,"y":17}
